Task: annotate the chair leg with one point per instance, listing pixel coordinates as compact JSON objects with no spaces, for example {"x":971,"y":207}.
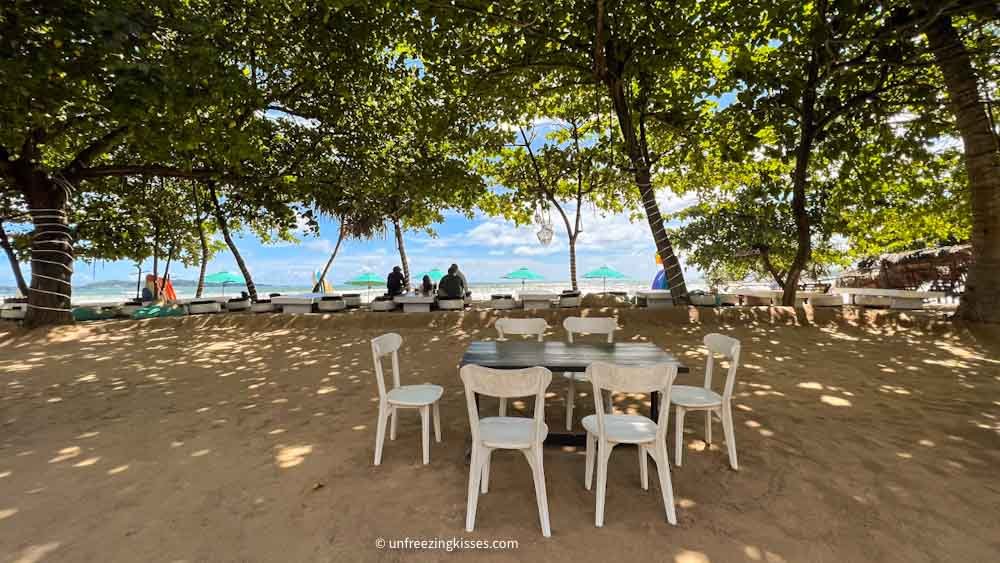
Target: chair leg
{"x":603,"y":454}
{"x":588,"y":477}
{"x":643,"y":467}
{"x":437,"y":422}
{"x":393,"y":414}
{"x":380,"y":433}
{"x":503,"y":407}
{"x":534,"y":456}
{"x":678,"y":436}
{"x":666,"y":487}
{"x":570,"y":397}
{"x":727,"y":428}
{"x":485,"y":479}
{"x":425,"y":431}
{"x":475,"y":473}
{"x":708,"y":427}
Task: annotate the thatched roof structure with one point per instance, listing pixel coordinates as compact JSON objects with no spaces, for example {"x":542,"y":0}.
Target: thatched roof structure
{"x":943,"y":268}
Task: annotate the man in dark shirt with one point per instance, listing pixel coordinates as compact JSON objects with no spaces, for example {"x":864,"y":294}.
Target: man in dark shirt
{"x":395,"y":282}
{"x":451,"y":286}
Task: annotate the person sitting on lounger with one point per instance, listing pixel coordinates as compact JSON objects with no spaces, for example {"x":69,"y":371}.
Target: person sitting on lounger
{"x":426,"y":286}
{"x":450,"y":286}
{"x":465,"y":282}
{"x":395,"y":282}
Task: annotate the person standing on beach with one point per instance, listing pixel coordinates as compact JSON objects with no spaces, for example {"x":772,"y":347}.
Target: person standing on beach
{"x":394,"y":283}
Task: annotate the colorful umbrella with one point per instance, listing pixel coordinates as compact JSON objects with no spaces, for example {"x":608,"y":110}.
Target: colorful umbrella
{"x":523,"y":274}
{"x":434,"y":274}
{"x":223,"y":278}
{"x":367,"y":280}
{"x":604,"y":272}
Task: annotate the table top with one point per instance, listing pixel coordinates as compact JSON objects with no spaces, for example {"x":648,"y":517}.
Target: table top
{"x":654,"y":293}
{"x":562,"y":356}
{"x":537,"y":295}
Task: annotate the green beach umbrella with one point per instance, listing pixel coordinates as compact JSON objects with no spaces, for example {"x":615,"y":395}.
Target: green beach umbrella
{"x":522,"y":274}
{"x":434,"y":274}
{"x":366,"y":279}
{"x":604,"y":272}
{"x":223,"y":278}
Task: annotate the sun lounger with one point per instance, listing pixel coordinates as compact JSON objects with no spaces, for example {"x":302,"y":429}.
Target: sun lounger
{"x":703,"y":299}
{"x":451,"y":304}
{"x":890,"y":298}
{"x":382,"y":304}
{"x":569,"y":299}
{"x":238,"y":304}
{"x":537,"y":300}
{"x":502,"y":301}
{"x":415,"y":303}
{"x":13,"y":311}
{"x":203,"y":306}
{"x":296,"y":304}
{"x":826,"y":300}
{"x":352,"y":299}
{"x":329,"y":303}
{"x":654,"y":298}
{"x":766,"y":297}
{"x":263,"y":306}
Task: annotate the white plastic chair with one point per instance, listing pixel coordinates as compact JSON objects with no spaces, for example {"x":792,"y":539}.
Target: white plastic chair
{"x":586,"y":325}
{"x":529,"y":327}
{"x":421,"y":397}
{"x":689,"y":398}
{"x":506,"y":433}
{"x":605,"y":430}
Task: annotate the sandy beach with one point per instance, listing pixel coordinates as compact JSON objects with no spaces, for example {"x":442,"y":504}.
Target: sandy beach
{"x":862,"y":436}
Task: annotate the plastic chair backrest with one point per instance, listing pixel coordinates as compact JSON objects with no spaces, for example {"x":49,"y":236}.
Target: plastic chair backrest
{"x":628,"y":379}
{"x":505,"y":384}
{"x":386,"y":345}
{"x":521,"y":326}
{"x":728,"y":348}
{"x":591,"y":325}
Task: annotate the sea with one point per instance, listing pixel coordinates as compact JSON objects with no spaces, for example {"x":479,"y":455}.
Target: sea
{"x":121,"y":290}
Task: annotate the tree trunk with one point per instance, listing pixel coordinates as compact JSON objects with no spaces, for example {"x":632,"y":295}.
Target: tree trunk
{"x":51,"y":251}
{"x":643,"y":180}
{"x":800,"y":178}
{"x":203,"y":242}
{"x":572,"y":262}
{"x":220,"y":218}
{"x":402,"y":253}
{"x":156,"y":250}
{"x":166,"y":269}
{"x":981,"y":299}
{"x":322,"y":276}
{"x":15,"y":266}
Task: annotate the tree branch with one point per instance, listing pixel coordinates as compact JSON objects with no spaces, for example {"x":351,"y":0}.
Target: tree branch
{"x":94,"y":150}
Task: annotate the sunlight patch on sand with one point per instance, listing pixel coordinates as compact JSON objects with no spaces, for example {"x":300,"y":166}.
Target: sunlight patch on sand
{"x":7,"y":513}
{"x":35,"y":553}
{"x":290,"y":456}
{"x":66,"y":453}
{"x":834,"y":401}
{"x":87,"y":462}
{"x":811,"y":385}
{"x":117,"y":470}
{"x":688,"y":556}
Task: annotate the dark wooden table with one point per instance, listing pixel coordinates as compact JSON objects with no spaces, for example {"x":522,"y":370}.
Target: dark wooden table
{"x":563,"y":356}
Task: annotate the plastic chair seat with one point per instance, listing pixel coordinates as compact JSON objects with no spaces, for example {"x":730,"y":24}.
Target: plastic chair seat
{"x":623,"y":428}
{"x":509,"y":432}
{"x":691,"y":397}
{"x":415,"y":395}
